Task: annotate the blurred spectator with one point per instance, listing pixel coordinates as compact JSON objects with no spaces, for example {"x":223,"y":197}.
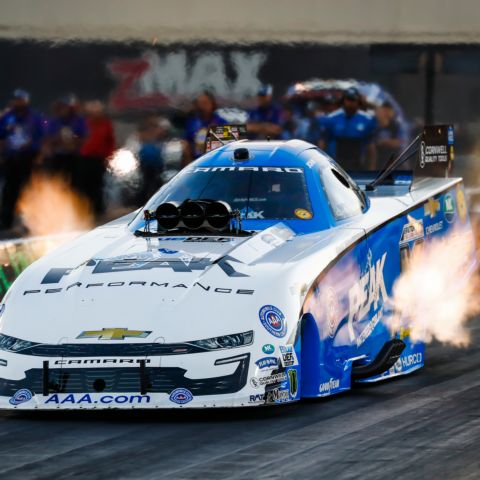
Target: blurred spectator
{"x":98,"y":147}
{"x":290,"y":124}
{"x":347,"y":134}
{"x":21,"y":133}
{"x":66,"y":133}
{"x":310,"y":126}
{"x":391,"y":134}
{"x":329,"y":104}
{"x":264,"y":121}
{"x":150,"y":134}
{"x":203,"y":115}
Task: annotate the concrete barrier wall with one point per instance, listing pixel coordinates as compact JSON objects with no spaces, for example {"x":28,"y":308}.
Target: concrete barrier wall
{"x":325,"y":21}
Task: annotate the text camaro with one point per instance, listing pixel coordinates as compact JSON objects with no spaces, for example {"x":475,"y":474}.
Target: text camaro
{"x":261,"y":274}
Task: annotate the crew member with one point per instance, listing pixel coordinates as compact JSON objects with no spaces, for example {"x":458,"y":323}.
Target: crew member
{"x":391,"y":134}
{"x":21,"y":133}
{"x":265,"y":120}
{"x":66,"y":133}
{"x":347,"y":134}
{"x":203,"y":115}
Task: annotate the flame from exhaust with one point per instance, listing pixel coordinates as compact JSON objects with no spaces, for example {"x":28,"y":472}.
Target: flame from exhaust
{"x":437,"y":293}
{"x":49,"y":206}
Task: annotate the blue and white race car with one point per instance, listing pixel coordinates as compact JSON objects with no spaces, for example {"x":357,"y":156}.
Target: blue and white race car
{"x":261,"y":274}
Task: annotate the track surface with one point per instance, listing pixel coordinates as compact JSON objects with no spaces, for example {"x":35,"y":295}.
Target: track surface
{"x":423,"y":426}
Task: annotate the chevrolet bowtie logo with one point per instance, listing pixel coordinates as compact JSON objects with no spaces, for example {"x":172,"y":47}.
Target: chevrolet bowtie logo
{"x":114,"y":334}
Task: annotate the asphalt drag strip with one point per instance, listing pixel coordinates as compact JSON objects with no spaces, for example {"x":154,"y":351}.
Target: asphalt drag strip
{"x":426,"y":425}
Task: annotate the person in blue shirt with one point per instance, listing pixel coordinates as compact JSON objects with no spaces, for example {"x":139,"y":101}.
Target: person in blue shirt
{"x":196,"y":127}
{"x":265,"y":120}
{"x":391,"y":135}
{"x":66,"y":132}
{"x":21,"y":135}
{"x":150,"y":134}
{"x":347,"y":134}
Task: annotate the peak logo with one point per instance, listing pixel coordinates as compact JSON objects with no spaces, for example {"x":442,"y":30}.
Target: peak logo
{"x":369,"y":291}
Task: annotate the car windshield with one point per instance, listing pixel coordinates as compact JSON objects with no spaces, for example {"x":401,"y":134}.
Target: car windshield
{"x":259,"y":193}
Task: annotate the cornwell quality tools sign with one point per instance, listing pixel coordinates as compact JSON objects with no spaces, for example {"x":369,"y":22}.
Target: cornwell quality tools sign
{"x":114,"y":334}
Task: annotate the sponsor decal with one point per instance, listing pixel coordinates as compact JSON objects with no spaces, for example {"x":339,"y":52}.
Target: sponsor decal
{"x":413,"y":230}
{"x":198,"y":239}
{"x":158,"y":79}
{"x":435,"y":227}
{"x":461,"y":204}
{"x":103,"y":361}
{"x":258,"y":397}
{"x":330,"y":386}
{"x":276,"y":235}
{"x":187,"y":264}
{"x":368,"y":292}
{"x":288,"y":357}
{"x":293,"y":382}
{"x":209,"y":239}
{"x":257,"y":382}
{"x":80,"y":399}
{"x":181,"y":396}
{"x":268,"y":348}
{"x":450,"y":136}
{"x":411,"y":360}
{"x":397,"y":367}
{"x":367,"y":331}
{"x":277,"y":396}
{"x":21,"y":396}
{"x":252,"y":214}
{"x":273,"y":396}
{"x":422,"y":154}
{"x":114,"y":334}
{"x":273,"y":320}
{"x":332,"y":311}
{"x":303,"y":214}
{"x":136,"y":284}
{"x":166,"y":251}
{"x":404,"y":333}
{"x":267,"y":362}
{"x":246,"y":169}
{"x":449,"y":208}
{"x":432,"y":154}
{"x":431,"y":208}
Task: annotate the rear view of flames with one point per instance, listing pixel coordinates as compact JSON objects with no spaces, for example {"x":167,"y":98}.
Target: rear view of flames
{"x":438,"y":292}
{"x":49,"y":206}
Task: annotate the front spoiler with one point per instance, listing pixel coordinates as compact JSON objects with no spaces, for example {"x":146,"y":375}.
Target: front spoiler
{"x":163,"y":386}
{"x":123,"y":401}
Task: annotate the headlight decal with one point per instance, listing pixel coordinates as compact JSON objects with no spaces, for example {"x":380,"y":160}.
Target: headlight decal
{"x":99,"y":349}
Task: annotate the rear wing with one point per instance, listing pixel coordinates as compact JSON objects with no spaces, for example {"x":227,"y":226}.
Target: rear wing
{"x":433,"y":154}
{"x":218,"y":135}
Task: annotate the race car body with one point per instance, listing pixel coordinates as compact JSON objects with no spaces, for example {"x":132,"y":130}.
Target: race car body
{"x":261,"y":274}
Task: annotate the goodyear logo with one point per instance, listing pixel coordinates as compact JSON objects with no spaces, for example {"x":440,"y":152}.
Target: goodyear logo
{"x":114,"y":334}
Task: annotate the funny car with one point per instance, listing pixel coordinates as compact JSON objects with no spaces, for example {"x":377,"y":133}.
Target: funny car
{"x":261,"y":274}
